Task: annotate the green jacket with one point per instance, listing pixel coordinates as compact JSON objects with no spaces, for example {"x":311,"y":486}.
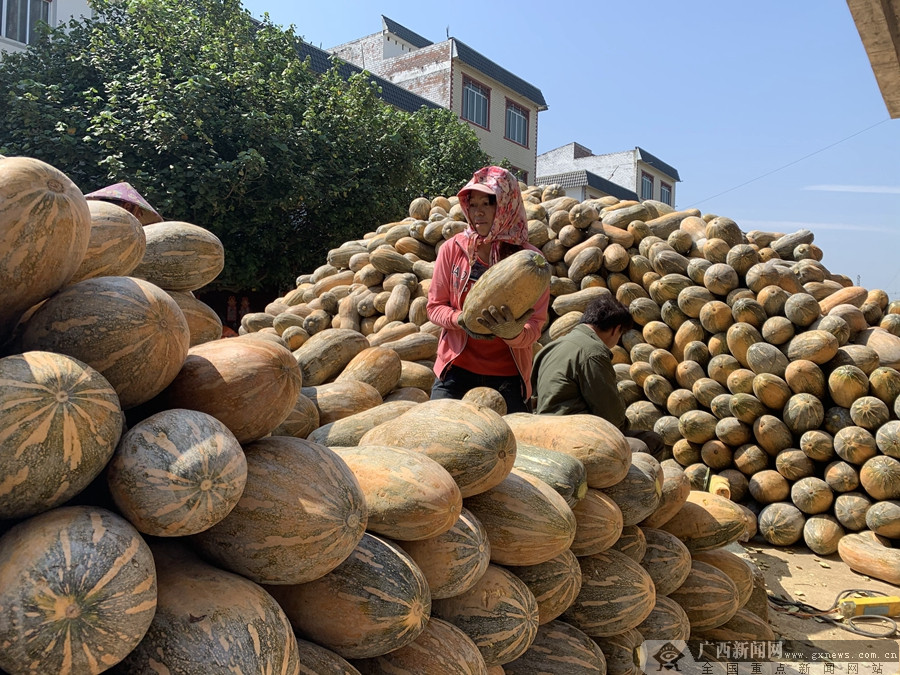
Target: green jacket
{"x":574,"y":374}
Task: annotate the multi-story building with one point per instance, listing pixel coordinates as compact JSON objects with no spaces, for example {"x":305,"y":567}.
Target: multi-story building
{"x":18,"y":19}
{"x":501,"y":107}
{"x":632,"y":174}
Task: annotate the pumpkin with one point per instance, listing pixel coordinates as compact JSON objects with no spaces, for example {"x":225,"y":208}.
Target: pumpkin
{"x":598,"y":444}
{"x":821,"y":534}
{"x":302,"y":420}
{"x":559,"y":649}
{"x":781,"y":524}
{"x":738,"y":570}
{"x":527,"y":522}
{"x":855,"y":445}
{"x":869,"y":412}
{"x":249,"y":385}
{"x":812,"y":495}
{"x":818,"y":346}
{"x":850,"y":509}
{"x":616,"y":595}
{"x":883,"y":518}
{"x":316,"y":660}
{"x":116,"y":244}
{"x":302,"y":512}
{"x":347,"y":431}
{"x":518,"y":281}
{"x":632,"y":543}
{"x":768,"y":486}
{"x":771,"y":390}
{"x":885,"y":384}
{"x":841,"y":476}
{"x":208,"y":619}
{"x":203,"y":323}
{"x":560,"y":471}
{"x":598,"y":523}
{"x":377,"y":589}
{"x":744,"y":626}
{"x":40,"y":209}
{"x":472,"y":442}
{"x":793,"y":464}
{"x":329,"y":352}
{"x":802,"y":309}
{"x":621,"y":652}
{"x":180,"y":256}
{"x":706,"y":521}
{"x":177,"y":473}
{"x":708,"y":596}
{"x":498,"y":613}
{"x":377,"y":366}
{"x":61,"y":424}
{"x":772,"y":434}
{"x":872,"y":555}
{"x":676,"y":487}
{"x":666,"y":559}
{"x":408,"y":495}
{"x":129,"y":330}
{"x":454,"y":561}
{"x":746,"y":407}
{"x":667,"y":621}
{"x":338,"y":400}
{"x":880,"y":477}
{"x":440,"y":649}
{"x":487,"y":397}
{"x":77,"y":592}
{"x":638,"y":493}
{"x":554,"y":583}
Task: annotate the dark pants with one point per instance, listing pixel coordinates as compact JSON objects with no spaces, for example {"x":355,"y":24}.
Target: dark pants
{"x":457,"y":381}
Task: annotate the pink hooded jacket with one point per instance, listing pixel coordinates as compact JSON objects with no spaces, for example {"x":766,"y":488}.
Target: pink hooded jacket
{"x":450,"y":281}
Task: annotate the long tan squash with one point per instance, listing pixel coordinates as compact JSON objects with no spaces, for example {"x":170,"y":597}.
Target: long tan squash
{"x":517,"y":282}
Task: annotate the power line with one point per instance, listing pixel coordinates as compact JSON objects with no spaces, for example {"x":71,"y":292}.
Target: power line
{"x":796,"y":161}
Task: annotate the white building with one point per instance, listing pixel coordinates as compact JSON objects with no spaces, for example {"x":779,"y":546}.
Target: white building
{"x":18,"y":19}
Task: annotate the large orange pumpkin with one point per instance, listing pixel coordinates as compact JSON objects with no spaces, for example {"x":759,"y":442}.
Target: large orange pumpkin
{"x":61,"y":423}
{"x":45,"y":226}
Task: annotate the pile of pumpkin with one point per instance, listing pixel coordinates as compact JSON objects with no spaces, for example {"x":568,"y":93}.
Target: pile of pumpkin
{"x":175,"y":502}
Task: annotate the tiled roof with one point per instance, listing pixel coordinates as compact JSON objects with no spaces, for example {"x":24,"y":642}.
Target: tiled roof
{"x":483,"y":64}
{"x":320,"y":61}
{"x":404,"y":33}
{"x":657,"y":163}
{"x":581,"y":178}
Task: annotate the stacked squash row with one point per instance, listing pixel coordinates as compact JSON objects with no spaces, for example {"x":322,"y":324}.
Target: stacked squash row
{"x":771,"y":379}
{"x":163,"y":509}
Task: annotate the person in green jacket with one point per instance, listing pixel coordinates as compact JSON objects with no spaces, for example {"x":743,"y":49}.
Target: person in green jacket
{"x":574,"y":373}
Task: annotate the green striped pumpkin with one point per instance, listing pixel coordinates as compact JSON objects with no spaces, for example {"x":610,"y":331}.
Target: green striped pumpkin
{"x":616,"y":595}
{"x":736,"y":569}
{"x":209,"y":620}
{"x":562,"y":472}
{"x":203,"y":322}
{"x":316,"y":660}
{"x":598,"y":444}
{"x":498,"y":613}
{"x":374,"y":602}
{"x":667,"y":560}
{"x":639,"y":492}
{"x":527,"y":522}
{"x":632,"y":543}
{"x":177,"y":473}
{"x":667,"y":621}
{"x":708,"y":596}
{"x":180,"y":256}
{"x":454,"y":561}
{"x":744,"y":626}
{"x":128,"y":329}
{"x":45,"y":226}
{"x":61,"y":424}
{"x":559,"y":649}
{"x":116,"y":245}
{"x":675,"y":490}
{"x":440,"y":649}
{"x":408,"y":495}
{"x":302,"y":512}
{"x":621,"y":652}
{"x":555,"y":584}
{"x":347,"y":431}
{"x":77,"y":592}
{"x":598,"y":523}
{"x":472,"y":442}
{"x":249,"y":385}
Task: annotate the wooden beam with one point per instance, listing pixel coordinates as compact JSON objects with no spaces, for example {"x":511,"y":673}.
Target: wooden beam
{"x":878,"y":24}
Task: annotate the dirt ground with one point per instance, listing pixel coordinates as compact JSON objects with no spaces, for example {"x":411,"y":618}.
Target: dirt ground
{"x":799,"y":574}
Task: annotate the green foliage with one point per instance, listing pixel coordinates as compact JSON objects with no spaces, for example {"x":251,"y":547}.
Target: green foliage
{"x":214,"y":119}
{"x":451,"y":153}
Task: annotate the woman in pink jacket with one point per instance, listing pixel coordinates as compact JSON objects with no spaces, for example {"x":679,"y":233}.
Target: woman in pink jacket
{"x":492,"y":203}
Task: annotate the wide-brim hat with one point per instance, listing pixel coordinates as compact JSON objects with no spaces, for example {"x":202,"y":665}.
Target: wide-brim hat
{"x":124,"y":194}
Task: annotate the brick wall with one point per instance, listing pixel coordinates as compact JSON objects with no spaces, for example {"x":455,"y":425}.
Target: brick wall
{"x":425,"y":71}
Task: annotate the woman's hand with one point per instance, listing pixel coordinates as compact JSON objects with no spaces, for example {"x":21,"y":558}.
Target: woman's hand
{"x":501,"y":322}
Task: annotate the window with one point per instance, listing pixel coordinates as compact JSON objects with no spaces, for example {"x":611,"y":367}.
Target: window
{"x":475,"y":102}
{"x":646,"y":185}
{"x":665,"y":193}
{"x":21,"y":16}
{"x":516,"y":123}
{"x":521,"y":174}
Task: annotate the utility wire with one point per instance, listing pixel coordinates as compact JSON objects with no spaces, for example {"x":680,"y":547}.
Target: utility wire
{"x":796,"y":161}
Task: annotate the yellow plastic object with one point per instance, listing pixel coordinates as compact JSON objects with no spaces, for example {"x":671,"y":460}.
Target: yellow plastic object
{"x":880,"y":606}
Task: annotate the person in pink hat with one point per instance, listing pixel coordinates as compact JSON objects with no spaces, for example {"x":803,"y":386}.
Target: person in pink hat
{"x":497,"y":228}
{"x":124,"y":195}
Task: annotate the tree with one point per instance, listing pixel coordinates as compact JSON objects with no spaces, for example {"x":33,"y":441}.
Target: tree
{"x":214,"y":119}
{"x":451,"y":152}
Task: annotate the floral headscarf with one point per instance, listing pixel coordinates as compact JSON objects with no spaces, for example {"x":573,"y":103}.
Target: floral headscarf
{"x":510,"y":223}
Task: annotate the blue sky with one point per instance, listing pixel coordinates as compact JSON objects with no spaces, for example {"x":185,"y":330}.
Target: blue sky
{"x":768,"y":109}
